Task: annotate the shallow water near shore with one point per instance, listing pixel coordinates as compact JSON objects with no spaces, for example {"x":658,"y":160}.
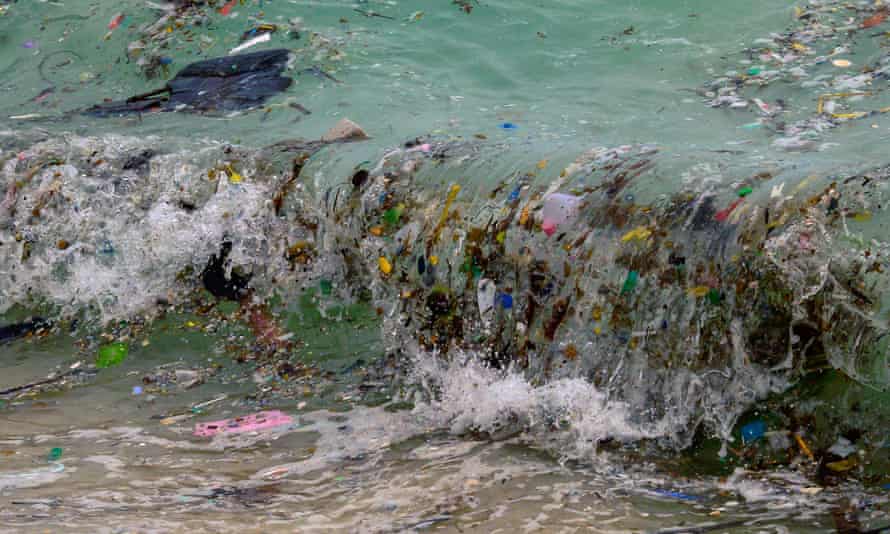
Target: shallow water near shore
{"x":506,"y":93}
{"x":351,"y":461}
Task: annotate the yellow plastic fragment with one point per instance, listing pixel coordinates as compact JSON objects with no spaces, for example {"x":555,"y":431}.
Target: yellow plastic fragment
{"x":803,"y":446}
{"x":820,"y":105}
{"x":843,"y":465}
{"x":385,"y":266}
{"x":501,"y":236}
{"x":699,"y":291}
{"x":854,"y":115}
{"x":597,"y":330}
{"x":641,"y":232}
{"x":523,"y":217}
{"x":377,"y":230}
{"x":542,"y":164}
{"x":452,"y":194}
{"x":799,"y":47}
{"x":234,"y":177}
{"x":434,"y":260}
{"x":862,"y":217}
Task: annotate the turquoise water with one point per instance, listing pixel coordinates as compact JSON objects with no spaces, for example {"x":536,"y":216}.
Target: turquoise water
{"x":514,"y":93}
{"x":582,"y":78}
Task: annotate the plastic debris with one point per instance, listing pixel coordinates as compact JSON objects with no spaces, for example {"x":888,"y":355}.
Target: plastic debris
{"x":11,"y":332}
{"x":485,"y":296}
{"x":804,"y":447}
{"x":263,"y":38}
{"x":116,"y":21}
{"x":384,"y":265}
{"x":213,"y":85}
{"x":723,"y":214}
{"x":111,"y":355}
{"x":559,"y":209}
{"x":249,"y":423}
{"x":675,"y":495}
{"x":630,"y":283}
{"x":874,"y":20}
{"x":258,"y":30}
{"x":753,"y":431}
{"x":641,"y":232}
{"x":226,"y":9}
{"x":54,"y":454}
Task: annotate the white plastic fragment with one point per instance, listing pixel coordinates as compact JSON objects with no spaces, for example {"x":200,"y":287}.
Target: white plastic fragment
{"x":247,"y":44}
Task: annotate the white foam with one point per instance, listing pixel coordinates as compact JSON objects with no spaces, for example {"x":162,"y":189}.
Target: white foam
{"x":470,"y":396}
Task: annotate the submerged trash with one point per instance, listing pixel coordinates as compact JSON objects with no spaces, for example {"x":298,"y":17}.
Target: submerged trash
{"x":753,"y":431}
{"x":675,"y":494}
{"x":211,"y":86}
{"x":248,"y":423}
{"x":111,"y":355}
{"x":261,"y":38}
{"x":15,"y":331}
{"x":558,"y":210}
{"x":54,"y":454}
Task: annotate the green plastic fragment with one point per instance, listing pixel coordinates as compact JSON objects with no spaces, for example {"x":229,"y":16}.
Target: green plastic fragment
{"x":477,"y":271}
{"x":714,"y":296}
{"x":745,"y":191}
{"x":55,"y":453}
{"x":467,"y":265}
{"x":326,"y":287}
{"x":111,"y":355}
{"x":392,"y":215}
{"x":753,"y":71}
{"x":632,"y":278}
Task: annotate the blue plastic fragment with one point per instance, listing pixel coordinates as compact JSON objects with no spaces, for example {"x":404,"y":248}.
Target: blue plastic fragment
{"x":514,"y":195}
{"x":508,"y":126}
{"x":753,"y":431}
{"x":506,"y":301}
{"x":676,"y":495}
{"x":166,"y":60}
{"x":137,"y":390}
{"x":886,"y":486}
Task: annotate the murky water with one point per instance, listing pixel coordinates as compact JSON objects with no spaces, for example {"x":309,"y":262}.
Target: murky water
{"x":347,"y":463}
{"x":695,"y":343}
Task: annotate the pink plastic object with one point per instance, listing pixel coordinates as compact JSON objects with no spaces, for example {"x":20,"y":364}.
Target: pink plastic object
{"x":248,"y":423}
{"x":559,"y":208}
